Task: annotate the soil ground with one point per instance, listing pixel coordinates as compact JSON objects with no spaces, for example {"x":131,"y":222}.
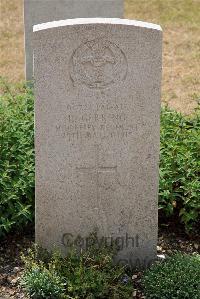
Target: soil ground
{"x":179,"y":19}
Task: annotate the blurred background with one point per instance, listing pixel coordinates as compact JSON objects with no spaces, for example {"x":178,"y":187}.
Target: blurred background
{"x":180,"y":21}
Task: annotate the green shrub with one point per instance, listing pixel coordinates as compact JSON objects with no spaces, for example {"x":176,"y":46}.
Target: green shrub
{"x":176,"y":278}
{"x":16,"y":158}
{"x":179,"y":163}
{"x":41,"y":283}
{"x":90,"y":275}
{"x":180,"y":167}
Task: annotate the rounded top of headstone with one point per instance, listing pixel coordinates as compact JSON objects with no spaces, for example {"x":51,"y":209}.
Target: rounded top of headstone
{"x":87,"y":21}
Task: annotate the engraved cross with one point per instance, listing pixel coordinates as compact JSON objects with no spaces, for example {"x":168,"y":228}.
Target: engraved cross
{"x":97,"y":168}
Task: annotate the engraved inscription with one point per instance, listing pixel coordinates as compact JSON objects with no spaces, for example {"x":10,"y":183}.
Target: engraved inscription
{"x":102,"y":122}
{"x":98,"y":64}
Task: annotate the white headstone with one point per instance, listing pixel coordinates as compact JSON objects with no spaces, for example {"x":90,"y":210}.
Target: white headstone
{"x":97,"y":134}
{"x":41,"y":11}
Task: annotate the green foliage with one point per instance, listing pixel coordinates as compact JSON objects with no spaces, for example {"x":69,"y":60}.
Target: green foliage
{"x":176,"y":278}
{"x":180,"y":167}
{"x":90,"y":274}
{"x":41,"y":283}
{"x":179,"y":162}
{"x":16,"y":158}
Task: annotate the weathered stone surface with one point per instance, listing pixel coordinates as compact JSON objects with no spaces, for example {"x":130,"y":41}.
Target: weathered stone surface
{"x":41,"y":11}
{"x":97,"y":134}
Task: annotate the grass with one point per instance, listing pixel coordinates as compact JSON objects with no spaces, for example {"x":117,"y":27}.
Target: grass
{"x":180,"y":12}
{"x":179,"y":19}
{"x":11,"y":40}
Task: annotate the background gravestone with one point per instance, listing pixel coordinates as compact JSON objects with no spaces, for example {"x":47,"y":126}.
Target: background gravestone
{"x":41,"y":11}
{"x":97,"y":133}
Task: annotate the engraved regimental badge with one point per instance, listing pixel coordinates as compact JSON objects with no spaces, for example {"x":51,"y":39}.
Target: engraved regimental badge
{"x":98,"y":64}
